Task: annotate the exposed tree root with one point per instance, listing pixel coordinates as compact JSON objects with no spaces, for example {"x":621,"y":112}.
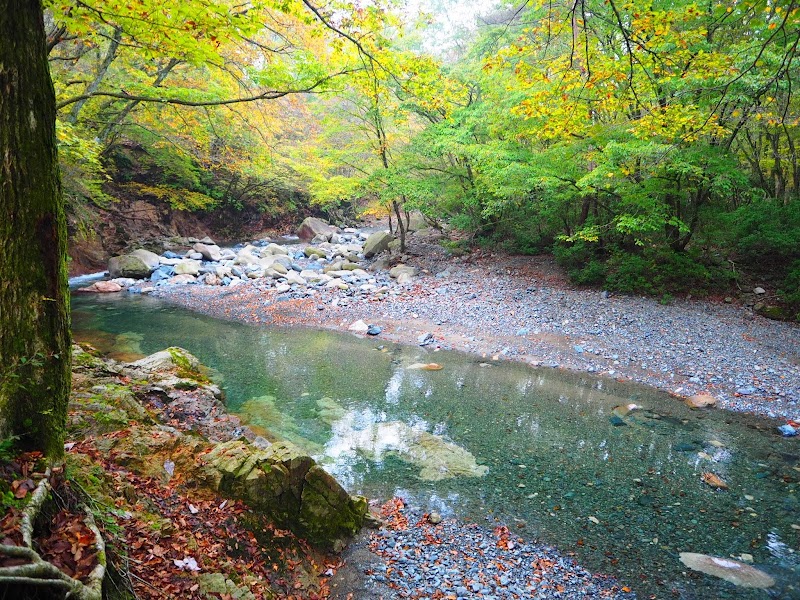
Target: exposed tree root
{"x":39,"y":572}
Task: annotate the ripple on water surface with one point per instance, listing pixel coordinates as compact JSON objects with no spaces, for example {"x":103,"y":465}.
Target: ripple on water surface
{"x":556,"y":456}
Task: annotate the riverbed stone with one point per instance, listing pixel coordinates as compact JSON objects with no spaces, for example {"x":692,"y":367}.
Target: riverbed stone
{"x":399,"y":270}
{"x":293,"y":278}
{"x":187,"y":267}
{"x":208,"y":251}
{"x":128,"y":265}
{"x":702,"y":400}
{"x":246,"y":256}
{"x":312,"y":227}
{"x":289,"y":487}
{"x":312,"y":252}
{"x":377,"y":243}
{"x":103,"y":287}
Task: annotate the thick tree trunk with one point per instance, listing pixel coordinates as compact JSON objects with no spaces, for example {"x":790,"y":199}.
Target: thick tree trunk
{"x":34,"y":300}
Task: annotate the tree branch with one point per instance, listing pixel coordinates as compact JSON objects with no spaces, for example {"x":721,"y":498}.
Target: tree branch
{"x":266,"y":95}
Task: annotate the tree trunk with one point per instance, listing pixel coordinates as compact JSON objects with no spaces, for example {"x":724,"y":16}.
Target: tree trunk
{"x":34,"y":299}
{"x":401,"y":229}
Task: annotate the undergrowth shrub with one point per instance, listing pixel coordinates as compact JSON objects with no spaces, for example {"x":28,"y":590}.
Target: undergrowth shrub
{"x":650,"y":271}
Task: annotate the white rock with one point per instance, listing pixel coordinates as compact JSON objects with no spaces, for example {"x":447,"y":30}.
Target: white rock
{"x":245,"y":257}
{"x":359,"y":327}
{"x":208,"y":251}
{"x":275,"y":249}
{"x":182,"y":279}
{"x":124,"y":281}
{"x":759,"y":291}
{"x":293,"y":277}
{"x":187,"y":267}
{"x":282,"y":288}
{"x":151,"y":259}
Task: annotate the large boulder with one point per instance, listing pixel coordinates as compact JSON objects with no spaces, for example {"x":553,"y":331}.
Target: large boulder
{"x":209,"y":251}
{"x":288,"y":486}
{"x":376,"y":243}
{"x":151,"y":259}
{"x":417,"y":221}
{"x":129,"y":265}
{"x":312,"y":227}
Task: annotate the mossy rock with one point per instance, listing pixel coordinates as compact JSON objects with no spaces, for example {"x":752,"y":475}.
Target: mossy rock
{"x":776,"y":313}
{"x":289,"y":487}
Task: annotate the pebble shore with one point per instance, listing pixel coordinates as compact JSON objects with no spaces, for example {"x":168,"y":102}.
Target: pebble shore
{"x":422,"y":558}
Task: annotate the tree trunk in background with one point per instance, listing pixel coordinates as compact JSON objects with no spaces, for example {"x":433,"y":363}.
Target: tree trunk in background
{"x":34,"y":299}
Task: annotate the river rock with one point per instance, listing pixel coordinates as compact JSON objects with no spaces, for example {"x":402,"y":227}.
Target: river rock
{"x":209,"y":252}
{"x":276,"y":250}
{"x":312,"y":227}
{"x":759,"y":291}
{"x":129,"y":265}
{"x":738,"y":573}
{"x":702,"y":400}
{"x":103,"y":287}
{"x":289,"y":487}
{"x":399,"y":270}
{"x":151,"y":259}
{"x":312,"y":252}
{"x":167,"y":361}
{"x":245,"y":257}
{"x":293,"y":278}
{"x":359,"y":327}
{"x":182,"y":279}
{"x":377,"y":243}
{"x":187,"y":267}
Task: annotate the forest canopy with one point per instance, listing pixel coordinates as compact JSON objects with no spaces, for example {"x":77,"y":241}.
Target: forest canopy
{"x":651,"y":147}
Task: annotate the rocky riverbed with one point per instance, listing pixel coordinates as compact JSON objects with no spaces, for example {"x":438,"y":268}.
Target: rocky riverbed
{"x":523,"y":308}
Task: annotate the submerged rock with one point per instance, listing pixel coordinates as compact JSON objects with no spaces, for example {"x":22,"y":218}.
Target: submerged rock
{"x":425,"y":367}
{"x":702,"y":400}
{"x":436,"y":457}
{"x":738,"y":573}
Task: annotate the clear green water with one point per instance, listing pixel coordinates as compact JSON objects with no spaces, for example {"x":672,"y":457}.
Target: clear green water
{"x":554,"y":457}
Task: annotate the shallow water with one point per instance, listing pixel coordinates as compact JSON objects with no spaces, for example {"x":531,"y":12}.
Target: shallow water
{"x":623,"y":492}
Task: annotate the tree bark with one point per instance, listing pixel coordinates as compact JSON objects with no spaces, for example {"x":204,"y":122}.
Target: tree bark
{"x":34,"y":299}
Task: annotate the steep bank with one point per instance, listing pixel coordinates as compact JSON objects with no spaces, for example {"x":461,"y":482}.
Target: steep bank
{"x":136,"y":219}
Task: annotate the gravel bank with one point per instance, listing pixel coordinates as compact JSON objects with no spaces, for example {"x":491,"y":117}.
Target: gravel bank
{"x":523,"y":308}
{"x":420,"y":560}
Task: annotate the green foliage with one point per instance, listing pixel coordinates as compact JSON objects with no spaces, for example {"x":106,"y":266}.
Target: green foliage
{"x":790,"y":288}
{"x":648,"y":270}
{"x":764,"y":231}
{"x":179,"y":199}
